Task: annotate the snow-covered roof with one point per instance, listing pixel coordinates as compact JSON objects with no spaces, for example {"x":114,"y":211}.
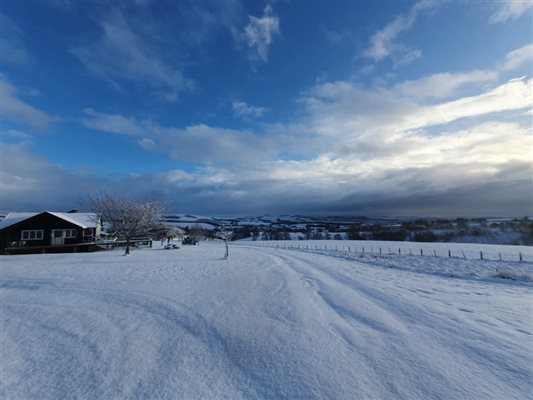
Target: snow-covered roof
{"x":14,"y":217}
{"x":83,"y":220}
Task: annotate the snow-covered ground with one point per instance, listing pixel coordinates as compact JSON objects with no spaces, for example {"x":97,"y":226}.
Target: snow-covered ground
{"x":375,"y":247}
{"x":445,"y":259}
{"x":266,"y":323}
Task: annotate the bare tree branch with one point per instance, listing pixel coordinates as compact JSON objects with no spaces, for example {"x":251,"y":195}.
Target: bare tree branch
{"x":128,"y":218}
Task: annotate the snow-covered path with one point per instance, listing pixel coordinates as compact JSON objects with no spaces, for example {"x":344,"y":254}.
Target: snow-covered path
{"x":264,"y":324}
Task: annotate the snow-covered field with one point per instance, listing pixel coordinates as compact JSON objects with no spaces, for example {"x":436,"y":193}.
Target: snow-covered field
{"x":375,"y":247}
{"x":266,"y":323}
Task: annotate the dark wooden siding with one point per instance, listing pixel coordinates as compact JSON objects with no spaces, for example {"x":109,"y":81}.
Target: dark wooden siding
{"x":45,"y":221}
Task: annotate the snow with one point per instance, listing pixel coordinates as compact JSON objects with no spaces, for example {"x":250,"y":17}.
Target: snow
{"x":15,"y":217}
{"x":83,"y":220}
{"x":192,"y":224}
{"x":266,"y":323}
{"x":396,"y":255}
{"x":296,"y":235}
{"x":457,"y":250}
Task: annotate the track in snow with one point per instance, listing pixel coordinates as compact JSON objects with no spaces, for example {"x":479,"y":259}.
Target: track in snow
{"x":263,"y":324}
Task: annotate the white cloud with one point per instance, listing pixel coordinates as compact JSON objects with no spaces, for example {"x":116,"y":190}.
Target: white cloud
{"x":342,"y":118}
{"x":442,"y":85}
{"x":16,"y":110}
{"x":259,"y":34}
{"x":421,"y":164}
{"x":28,"y":181}
{"x":513,"y":95}
{"x":444,"y":172}
{"x":13,"y":49}
{"x":244,"y":110}
{"x":510,"y":10}
{"x":383,"y":43}
{"x":178,"y":176}
{"x":356,"y":165}
{"x":198,"y":143}
{"x":345,"y":109}
{"x":147,"y":144}
{"x":112,"y":123}
{"x":121,"y":54}
{"x":445,"y":140}
{"x":212,"y":146}
{"x":407,"y":56}
{"x":15,"y":133}
{"x":517,"y":58}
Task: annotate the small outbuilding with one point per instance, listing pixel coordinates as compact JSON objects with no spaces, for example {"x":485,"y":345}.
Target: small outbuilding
{"x":49,"y":232}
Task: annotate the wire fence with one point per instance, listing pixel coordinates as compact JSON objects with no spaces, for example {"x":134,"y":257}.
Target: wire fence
{"x":376,"y":249}
{"x":134,"y":243}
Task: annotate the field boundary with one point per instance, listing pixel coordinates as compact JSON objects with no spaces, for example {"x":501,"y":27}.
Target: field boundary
{"x":407,"y":250}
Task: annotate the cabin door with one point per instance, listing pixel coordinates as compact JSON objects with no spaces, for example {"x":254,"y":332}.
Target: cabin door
{"x":58,"y":236}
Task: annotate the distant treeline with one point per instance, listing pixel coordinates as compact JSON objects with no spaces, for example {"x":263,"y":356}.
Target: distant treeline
{"x":516,"y":231}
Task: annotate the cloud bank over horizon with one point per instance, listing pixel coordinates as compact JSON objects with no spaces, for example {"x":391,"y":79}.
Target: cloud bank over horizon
{"x":225,"y":116}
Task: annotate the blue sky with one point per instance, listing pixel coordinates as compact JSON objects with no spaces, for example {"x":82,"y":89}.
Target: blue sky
{"x":366,"y":108}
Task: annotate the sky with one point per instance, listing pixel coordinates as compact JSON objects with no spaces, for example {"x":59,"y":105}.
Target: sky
{"x":389,"y":108}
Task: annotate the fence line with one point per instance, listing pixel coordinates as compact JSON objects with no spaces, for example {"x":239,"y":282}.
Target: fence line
{"x":386,"y":251}
{"x":113,"y":244}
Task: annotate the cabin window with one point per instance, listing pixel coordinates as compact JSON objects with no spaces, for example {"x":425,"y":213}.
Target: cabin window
{"x":36,"y":234}
{"x":65,"y":233}
{"x":71,"y":233}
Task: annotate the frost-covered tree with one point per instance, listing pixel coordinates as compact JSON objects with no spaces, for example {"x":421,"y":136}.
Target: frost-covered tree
{"x":196,"y":232}
{"x":225,"y":233}
{"x":174,"y":232}
{"x":128,"y":218}
{"x":167,"y":232}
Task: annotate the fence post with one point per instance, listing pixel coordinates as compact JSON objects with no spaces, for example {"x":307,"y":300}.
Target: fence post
{"x":421,"y":252}
{"x":464,"y":256}
{"x":434,"y":252}
{"x":349,"y":251}
{"x":500,"y":254}
{"x":520,"y":256}
{"x":399,"y":251}
{"x":380,"y":250}
{"x":449,"y":254}
{"x":363,"y":250}
{"x":481,"y":255}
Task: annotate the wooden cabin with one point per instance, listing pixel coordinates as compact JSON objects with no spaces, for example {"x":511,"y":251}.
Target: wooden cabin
{"x":49,"y":232}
